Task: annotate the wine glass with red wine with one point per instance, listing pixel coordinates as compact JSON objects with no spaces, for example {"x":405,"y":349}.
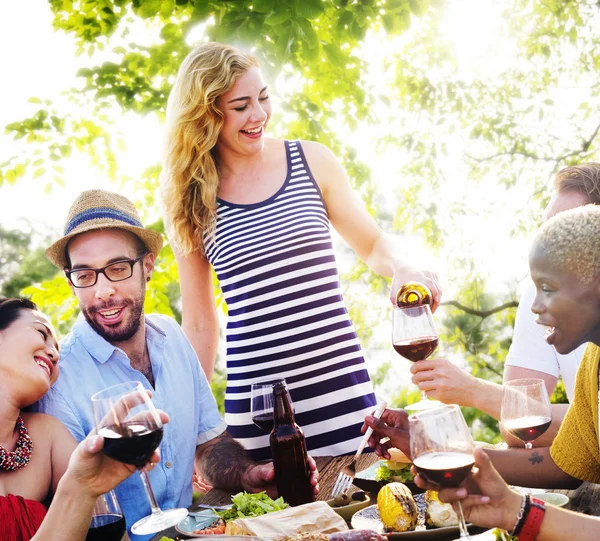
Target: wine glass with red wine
{"x":131,"y":427}
{"x":262,"y":403}
{"x":415,"y":338}
{"x":442,"y":450}
{"x":525,"y":410}
{"x":108,"y":523}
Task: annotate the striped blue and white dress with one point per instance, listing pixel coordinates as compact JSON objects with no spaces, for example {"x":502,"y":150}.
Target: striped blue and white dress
{"x":286,"y":316}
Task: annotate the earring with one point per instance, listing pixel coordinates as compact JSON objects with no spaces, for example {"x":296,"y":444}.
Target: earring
{"x":147,"y":278}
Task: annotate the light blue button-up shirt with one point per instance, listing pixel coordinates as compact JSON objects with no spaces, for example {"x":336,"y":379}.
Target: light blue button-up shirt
{"x":89,"y":364}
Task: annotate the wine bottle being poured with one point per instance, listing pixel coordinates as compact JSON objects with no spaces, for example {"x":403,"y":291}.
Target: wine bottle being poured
{"x":413,"y":294}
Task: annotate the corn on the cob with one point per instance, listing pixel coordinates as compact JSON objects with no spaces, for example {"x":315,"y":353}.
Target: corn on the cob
{"x":397,"y":507}
{"x":439,"y":514}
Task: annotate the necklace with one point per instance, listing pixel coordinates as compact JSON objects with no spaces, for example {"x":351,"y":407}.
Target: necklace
{"x":20,"y":457}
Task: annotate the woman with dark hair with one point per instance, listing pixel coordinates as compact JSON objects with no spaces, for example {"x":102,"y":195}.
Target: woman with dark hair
{"x":37,"y":462}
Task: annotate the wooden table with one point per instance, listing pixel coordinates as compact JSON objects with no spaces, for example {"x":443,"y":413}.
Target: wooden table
{"x":585,"y":499}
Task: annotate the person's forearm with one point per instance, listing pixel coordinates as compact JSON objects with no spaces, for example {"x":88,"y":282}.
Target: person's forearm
{"x":69,"y":515}
{"x":485,"y":396}
{"x":530,"y":468}
{"x":559,"y":524}
{"x":558,"y":412}
{"x":205,"y":341}
{"x":383,"y":258}
{"x":223,"y":462}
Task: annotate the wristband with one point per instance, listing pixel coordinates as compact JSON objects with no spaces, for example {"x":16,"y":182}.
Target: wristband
{"x":533,"y":520}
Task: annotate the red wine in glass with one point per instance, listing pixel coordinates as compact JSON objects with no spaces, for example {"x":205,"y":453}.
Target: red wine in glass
{"x":528,"y":428}
{"x":132,"y":429}
{"x":444,"y":468}
{"x":109,"y":527}
{"x":525,"y":409}
{"x":264,"y":421}
{"x":131,"y":442}
{"x":417,"y":349}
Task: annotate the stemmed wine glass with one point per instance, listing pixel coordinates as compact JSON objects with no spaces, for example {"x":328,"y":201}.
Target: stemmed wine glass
{"x":262,"y":403}
{"x":108,"y":523}
{"x":525,"y":410}
{"x":127,"y":419}
{"x":442,"y":450}
{"x":415,"y":338}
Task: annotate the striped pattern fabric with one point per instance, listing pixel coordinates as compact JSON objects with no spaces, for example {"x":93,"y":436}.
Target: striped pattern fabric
{"x":286,"y":316}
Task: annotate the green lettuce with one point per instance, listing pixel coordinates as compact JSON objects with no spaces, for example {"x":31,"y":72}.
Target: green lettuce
{"x":247,"y":505}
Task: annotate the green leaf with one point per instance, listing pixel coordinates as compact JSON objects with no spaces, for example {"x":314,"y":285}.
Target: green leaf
{"x":306,"y":33}
{"x":38,"y":172}
{"x":169,"y":31}
{"x":263,"y":6}
{"x":277,"y":17}
{"x":309,"y":9}
{"x":417,"y":7}
{"x":34,"y":100}
{"x":346,"y":18}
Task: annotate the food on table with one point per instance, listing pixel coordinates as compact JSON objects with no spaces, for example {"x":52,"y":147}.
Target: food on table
{"x":251,"y":505}
{"x":217,"y":527}
{"x":397,"y":468}
{"x":314,"y":517}
{"x":355,"y":535}
{"x":501,"y":535}
{"x":341,"y":500}
{"x":397,"y":507}
{"x":438,"y":514}
{"x":350,"y":535}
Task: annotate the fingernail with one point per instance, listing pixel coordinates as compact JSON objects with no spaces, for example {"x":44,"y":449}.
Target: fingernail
{"x":485,"y":499}
{"x":461,"y":492}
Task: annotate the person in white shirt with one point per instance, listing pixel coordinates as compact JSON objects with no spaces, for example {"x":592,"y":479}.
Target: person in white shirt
{"x":529,"y":355}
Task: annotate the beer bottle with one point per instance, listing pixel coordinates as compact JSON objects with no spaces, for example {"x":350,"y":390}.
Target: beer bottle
{"x":288,"y":448}
{"x":413,"y":294}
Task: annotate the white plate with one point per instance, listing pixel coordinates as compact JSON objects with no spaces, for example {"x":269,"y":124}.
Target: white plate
{"x":554,"y":498}
{"x":369,"y":519}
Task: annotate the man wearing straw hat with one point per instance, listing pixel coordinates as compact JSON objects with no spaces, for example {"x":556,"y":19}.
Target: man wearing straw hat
{"x":108,"y":257}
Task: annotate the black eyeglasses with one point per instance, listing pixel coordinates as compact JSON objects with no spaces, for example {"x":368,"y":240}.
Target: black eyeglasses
{"x":115,"y":272}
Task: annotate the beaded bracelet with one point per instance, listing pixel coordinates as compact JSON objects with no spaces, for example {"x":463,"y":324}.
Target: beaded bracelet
{"x":522,"y":515}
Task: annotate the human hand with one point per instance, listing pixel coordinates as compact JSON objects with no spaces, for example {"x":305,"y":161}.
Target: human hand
{"x":392,"y":424}
{"x":485,"y":498}
{"x":410,"y":274}
{"x":262,"y":477}
{"x":444,"y":381}
{"x":96,"y":472}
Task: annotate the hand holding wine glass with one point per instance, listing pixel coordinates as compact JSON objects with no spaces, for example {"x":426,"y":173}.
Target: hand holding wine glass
{"x":132,"y":429}
{"x":442,"y":450}
{"x":413,"y":331}
{"x":525,"y":412}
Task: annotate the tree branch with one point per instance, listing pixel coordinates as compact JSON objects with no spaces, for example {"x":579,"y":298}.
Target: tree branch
{"x":481,"y":313}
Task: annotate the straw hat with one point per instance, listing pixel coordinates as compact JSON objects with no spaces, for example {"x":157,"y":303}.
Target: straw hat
{"x":99,"y":209}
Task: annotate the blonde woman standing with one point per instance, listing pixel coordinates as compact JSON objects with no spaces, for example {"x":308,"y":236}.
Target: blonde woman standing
{"x":258,"y":211}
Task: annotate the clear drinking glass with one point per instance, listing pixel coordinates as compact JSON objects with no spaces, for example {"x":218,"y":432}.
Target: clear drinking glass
{"x":127,"y":419}
{"x":108,"y":523}
{"x":442,"y":450}
{"x":525,"y":410}
{"x":262,"y":403}
{"x":415,"y":338}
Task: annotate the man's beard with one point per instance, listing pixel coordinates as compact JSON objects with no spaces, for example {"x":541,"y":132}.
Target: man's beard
{"x":126,"y":329}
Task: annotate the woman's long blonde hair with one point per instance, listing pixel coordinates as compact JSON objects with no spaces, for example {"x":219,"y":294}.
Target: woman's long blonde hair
{"x":189,"y":178}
